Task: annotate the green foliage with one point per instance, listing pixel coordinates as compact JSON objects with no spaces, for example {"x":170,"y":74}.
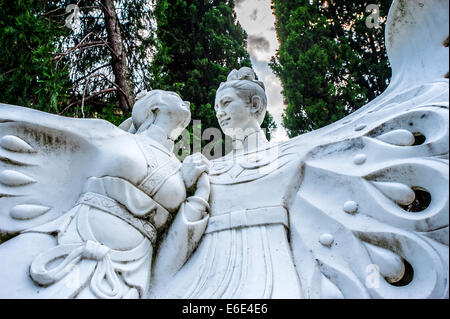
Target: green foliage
{"x":48,"y":66}
{"x":330,"y":63}
{"x":89,"y":56}
{"x":5,"y":237}
{"x":29,"y":75}
{"x":269,"y":125}
{"x":199,"y":43}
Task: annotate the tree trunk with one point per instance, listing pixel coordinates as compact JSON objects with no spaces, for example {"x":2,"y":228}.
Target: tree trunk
{"x":119,"y":61}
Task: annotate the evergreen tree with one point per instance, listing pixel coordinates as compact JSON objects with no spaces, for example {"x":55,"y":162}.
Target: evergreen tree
{"x":329,"y":61}
{"x":29,"y":75}
{"x":95,"y":68}
{"x":92,"y":68}
{"x":108,"y":53}
{"x":199,"y":43}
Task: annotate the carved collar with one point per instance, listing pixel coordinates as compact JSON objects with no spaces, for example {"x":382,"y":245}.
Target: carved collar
{"x":251,"y":142}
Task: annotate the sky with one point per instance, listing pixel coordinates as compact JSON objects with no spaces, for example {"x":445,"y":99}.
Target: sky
{"x":257,"y":19}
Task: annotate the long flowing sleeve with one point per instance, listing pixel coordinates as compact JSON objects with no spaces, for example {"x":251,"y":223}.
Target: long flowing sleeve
{"x":181,"y":240}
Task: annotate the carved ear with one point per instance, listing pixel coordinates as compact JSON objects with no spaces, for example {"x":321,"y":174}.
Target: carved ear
{"x":154,"y":109}
{"x":256,"y":104}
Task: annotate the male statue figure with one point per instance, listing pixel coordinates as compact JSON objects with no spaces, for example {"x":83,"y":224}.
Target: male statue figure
{"x":330,"y":214}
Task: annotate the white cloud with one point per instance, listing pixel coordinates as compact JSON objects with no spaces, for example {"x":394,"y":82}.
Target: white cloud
{"x":256,"y":17}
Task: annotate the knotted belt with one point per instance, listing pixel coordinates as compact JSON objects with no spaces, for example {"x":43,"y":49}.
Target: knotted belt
{"x":250,"y":217}
{"x":109,"y":262}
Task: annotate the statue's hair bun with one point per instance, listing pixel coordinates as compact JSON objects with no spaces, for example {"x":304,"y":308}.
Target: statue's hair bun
{"x":244,"y":73}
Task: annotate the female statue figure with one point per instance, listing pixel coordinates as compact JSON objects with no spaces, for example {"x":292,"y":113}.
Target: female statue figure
{"x":102,"y":247}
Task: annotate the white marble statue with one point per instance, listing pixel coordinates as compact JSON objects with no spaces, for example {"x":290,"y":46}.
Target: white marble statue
{"x":102,"y":212}
{"x":324,"y":215}
{"x":90,"y":199}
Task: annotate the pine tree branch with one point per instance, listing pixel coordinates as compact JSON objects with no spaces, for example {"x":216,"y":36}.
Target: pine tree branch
{"x":88,"y":98}
{"x":79,"y":47}
{"x":92,"y":72}
{"x":113,"y":83}
{"x":89,"y":45}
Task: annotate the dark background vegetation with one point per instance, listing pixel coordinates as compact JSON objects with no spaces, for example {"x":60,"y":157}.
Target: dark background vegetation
{"x":330,"y":63}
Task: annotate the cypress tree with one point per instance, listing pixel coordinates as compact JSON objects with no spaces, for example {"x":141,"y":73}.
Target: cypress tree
{"x":199,"y":43}
{"x":330,"y":61}
{"x":91,"y":70}
{"x":29,"y":75}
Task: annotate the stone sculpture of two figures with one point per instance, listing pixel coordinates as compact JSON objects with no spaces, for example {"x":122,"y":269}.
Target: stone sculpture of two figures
{"x":96,"y":211}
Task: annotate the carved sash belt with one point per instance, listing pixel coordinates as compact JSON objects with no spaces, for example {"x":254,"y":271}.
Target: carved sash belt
{"x":109,"y":205}
{"x":84,"y":260}
{"x":108,"y":263}
{"x":245,"y":218}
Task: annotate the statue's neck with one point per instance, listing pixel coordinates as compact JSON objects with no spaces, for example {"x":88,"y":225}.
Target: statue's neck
{"x":249,"y":142}
{"x":158,"y":135}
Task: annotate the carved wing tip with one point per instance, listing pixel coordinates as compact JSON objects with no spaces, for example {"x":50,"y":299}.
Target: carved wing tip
{"x":15,"y":144}
{"x":13,"y":178}
{"x":26,"y":211}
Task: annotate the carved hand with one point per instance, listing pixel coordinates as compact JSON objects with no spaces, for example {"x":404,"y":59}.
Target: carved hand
{"x":193,"y":166}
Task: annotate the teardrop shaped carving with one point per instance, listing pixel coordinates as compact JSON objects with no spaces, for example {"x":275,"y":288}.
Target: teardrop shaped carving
{"x":391,"y":265}
{"x":15,"y":144}
{"x":13,"y":178}
{"x":23,"y":212}
{"x":398,"y":137}
{"x":399,"y":193}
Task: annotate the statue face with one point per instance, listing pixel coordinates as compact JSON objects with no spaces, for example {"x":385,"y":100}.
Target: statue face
{"x":174,"y":110}
{"x":232,"y":111}
{"x":166,"y":109}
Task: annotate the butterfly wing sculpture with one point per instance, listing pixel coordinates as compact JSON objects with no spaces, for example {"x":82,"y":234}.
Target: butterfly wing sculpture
{"x":371,"y":215}
{"x":45,"y":160}
{"x":372,"y":210}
